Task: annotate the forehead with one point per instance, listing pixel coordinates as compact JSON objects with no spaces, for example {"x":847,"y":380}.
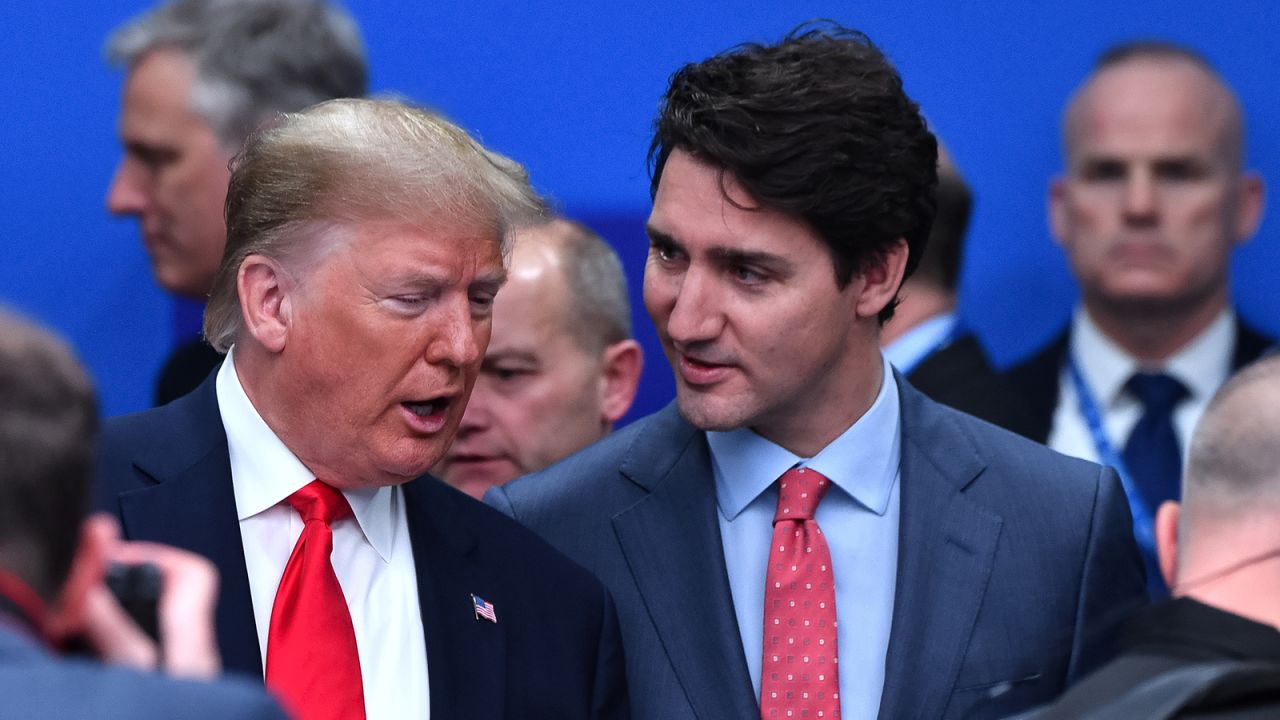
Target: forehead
{"x":534,"y":304}
{"x":701,"y":207}
{"x":1151,"y":107}
{"x":157,"y":94}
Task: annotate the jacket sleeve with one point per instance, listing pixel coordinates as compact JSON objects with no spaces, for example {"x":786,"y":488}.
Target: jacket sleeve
{"x":1112,"y":580}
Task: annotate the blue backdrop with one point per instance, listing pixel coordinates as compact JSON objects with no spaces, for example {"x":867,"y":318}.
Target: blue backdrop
{"x":569,"y":88}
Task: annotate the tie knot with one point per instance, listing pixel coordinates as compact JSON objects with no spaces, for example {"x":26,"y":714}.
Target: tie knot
{"x":318,"y":501}
{"x":1158,"y":392}
{"x":799,"y":490}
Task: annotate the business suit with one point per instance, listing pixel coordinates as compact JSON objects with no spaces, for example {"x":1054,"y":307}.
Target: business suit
{"x":38,"y":686}
{"x":554,"y":652}
{"x":959,"y":375}
{"x":1037,"y":378}
{"x":1010,"y":558}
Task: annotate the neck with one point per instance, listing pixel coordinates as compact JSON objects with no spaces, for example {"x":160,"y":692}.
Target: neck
{"x":846,"y":396}
{"x":1154,"y":334}
{"x":920,"y":301}
{"x":1250,"y":590}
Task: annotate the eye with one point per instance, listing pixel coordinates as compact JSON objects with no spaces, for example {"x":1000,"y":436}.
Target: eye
{"x":664,"y":252}
{"x":482,"y":303}
{"x":747,"y":275}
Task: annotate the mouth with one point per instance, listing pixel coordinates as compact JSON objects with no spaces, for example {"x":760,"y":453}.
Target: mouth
{"x":701,"y":372}
{"x":427,"y":416}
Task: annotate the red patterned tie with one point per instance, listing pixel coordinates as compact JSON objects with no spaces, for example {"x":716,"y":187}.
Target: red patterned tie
{"x":799,"y":677}
{"x":312,"y":662}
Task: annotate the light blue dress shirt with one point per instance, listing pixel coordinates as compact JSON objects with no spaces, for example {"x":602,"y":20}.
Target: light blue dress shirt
{"x":921,"y":341}
{"x":858,"y":516}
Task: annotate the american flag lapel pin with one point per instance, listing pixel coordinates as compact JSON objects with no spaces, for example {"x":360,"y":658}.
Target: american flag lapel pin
{"x":483,"y":609}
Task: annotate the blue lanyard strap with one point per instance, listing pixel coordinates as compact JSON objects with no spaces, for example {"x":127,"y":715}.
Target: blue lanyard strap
{"x":1143,"y":529}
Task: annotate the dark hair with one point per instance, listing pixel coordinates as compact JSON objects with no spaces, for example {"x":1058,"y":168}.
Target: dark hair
{"x":940,"y":263}
{"x":47,"y":420}
{"x":818,"y":127}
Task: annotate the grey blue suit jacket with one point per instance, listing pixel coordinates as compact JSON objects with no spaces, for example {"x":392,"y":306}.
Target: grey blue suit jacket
{"x":38,"y":686}
{"x":1015,"y":563}
{"x":554,"y":653}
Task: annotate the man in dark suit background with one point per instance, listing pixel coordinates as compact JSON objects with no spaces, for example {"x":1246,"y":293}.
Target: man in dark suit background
{"x":365,"y":245}
{"x":950,"y":569}
{"x":201,"y":76}
{"x":925,"y":340}
{"x":1153,"y":201}
{"x":52,"y":563}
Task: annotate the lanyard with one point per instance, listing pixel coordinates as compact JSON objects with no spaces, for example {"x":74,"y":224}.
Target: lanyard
{"x":1143,"y":529}
{"x":946,"y":339}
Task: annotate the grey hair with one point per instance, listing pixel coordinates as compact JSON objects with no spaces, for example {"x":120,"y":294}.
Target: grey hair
{"x":600,"y":313}
{"x":1234,"y":463}
{"x":253,"y":58}
{"x":48,"y":416}
{"x":346,"y":162}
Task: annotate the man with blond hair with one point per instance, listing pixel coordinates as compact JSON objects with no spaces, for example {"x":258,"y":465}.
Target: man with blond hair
{"x":364,"y":249}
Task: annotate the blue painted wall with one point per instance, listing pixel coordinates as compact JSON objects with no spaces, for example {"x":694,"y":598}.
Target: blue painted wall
{"x":569,"y":88}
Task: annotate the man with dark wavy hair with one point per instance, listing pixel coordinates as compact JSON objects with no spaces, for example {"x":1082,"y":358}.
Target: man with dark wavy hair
{"x":802,"y":534}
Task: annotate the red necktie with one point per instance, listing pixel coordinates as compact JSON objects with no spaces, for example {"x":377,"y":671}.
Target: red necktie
{"x":312,"y":661}
{"x":799,"y":677}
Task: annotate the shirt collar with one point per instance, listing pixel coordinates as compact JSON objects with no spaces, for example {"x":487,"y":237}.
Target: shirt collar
{"x":920,"y":341}
{"x":1200,"y":365}
{"x":860,"y":462}
{"x":265,"y":472}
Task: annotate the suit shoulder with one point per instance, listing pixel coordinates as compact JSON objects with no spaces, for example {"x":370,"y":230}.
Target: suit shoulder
{"x":593,"y":480}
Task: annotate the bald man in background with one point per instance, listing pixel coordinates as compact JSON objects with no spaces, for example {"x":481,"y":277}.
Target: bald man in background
{"x":1220,"y":554}
{"x":561,"y":367}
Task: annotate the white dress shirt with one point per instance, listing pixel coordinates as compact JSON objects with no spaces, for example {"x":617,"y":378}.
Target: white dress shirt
{"x":858,"y":517}
{"x":372,"y":556}
{"x":1203,"y":365}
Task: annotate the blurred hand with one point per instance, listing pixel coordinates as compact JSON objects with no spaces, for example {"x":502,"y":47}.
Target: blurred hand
{"x":189,"y":586}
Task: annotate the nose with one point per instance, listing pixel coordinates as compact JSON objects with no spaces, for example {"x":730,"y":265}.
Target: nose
{"x":1140,"y":199}
{"x":459,"y":338}
{"x":476,"y":416}
{"x":695,"y":312}
{"x":126,"y":195}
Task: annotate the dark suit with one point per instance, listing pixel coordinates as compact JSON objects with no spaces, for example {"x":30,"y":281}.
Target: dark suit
{"x":1037,"y":378}
{"x":185,"y":368}
{"x":1013,"y":563}
{"x":39,"y":686}
{"x":959,"y":375}
{"x":554,"y":652}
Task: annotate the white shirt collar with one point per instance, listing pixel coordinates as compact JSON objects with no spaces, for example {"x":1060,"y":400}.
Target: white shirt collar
{"x":920,"y":341}
{"x":264,"y":472}
{"x":1107,"y":367}
{"x":860,"y":461}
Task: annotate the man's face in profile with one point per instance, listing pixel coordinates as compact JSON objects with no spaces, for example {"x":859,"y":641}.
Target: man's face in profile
{"x":173,"y":175}
{"x":1151,"y":205}
{"x":386,"y":336}
{"x":540,"y":394}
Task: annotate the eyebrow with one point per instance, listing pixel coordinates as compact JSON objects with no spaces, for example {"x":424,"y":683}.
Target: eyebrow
{"x":508,"y":355}
{"x":720,"y":253}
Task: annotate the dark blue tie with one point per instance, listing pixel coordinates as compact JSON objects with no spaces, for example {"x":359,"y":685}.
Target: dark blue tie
{"x":1152,"y":456}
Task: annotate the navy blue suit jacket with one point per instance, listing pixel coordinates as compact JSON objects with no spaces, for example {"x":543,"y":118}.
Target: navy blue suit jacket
{"x":38,"y":686}
{"x":555,"y":651}
{"x":1014,"y":565}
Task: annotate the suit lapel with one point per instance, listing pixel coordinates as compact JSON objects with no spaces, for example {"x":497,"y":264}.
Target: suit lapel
{"x":192,"y":506}
{"x":465,"y":656}
{"x":946,"y":551}
{"x":671,"y":542}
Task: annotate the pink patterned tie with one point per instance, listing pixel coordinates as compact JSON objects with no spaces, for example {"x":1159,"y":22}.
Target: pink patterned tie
{"x":799,"y":677}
